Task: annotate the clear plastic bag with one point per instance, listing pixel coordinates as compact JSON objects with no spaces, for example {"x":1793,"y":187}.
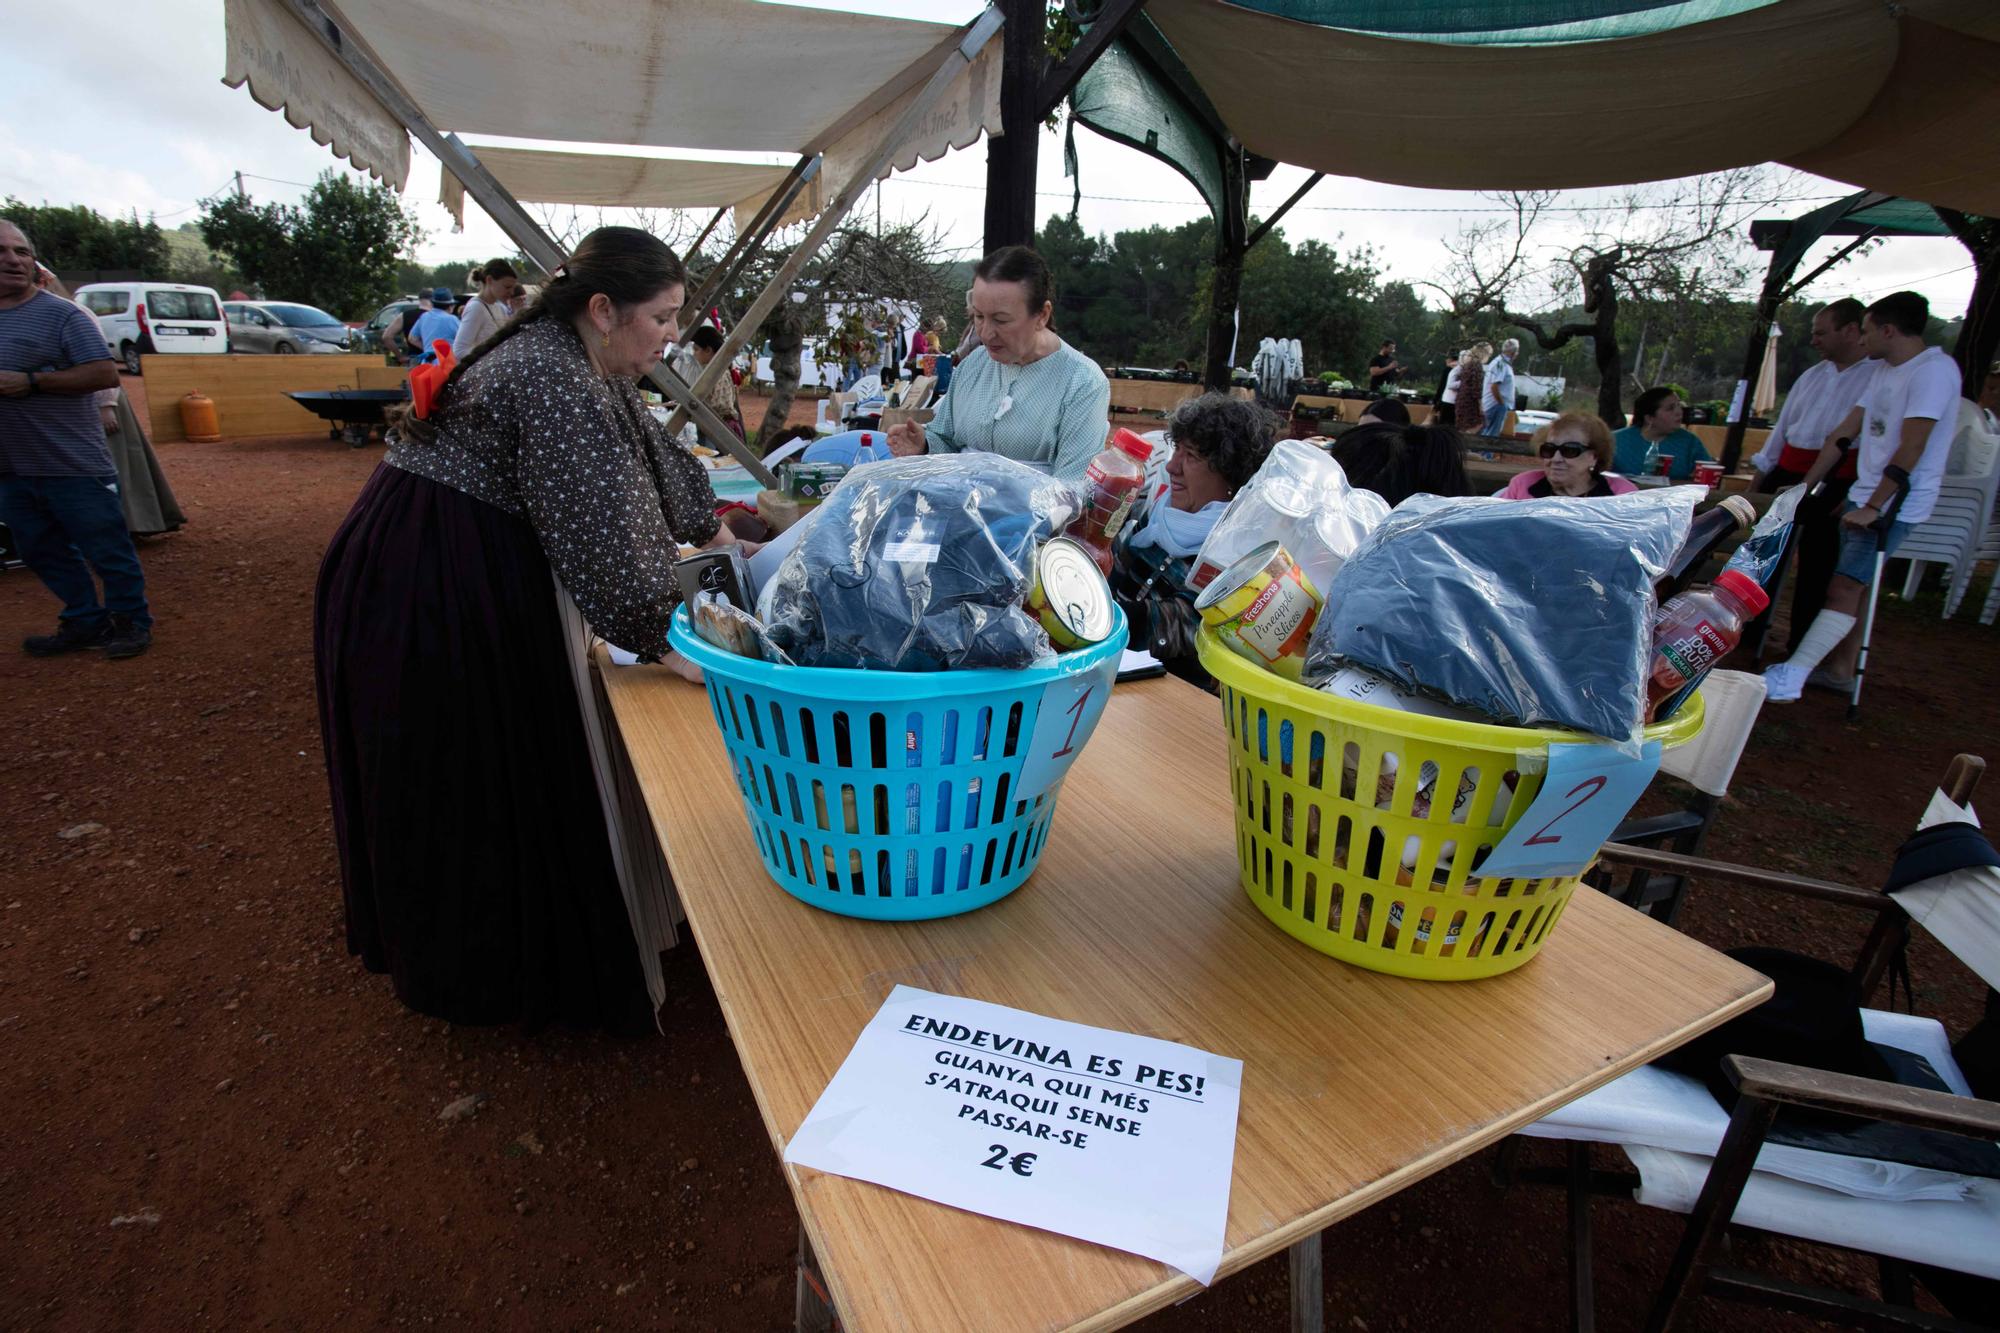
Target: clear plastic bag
{"x":1764,"y":549}
{"x":1534,"y":612}
{"x":919,"y":564}
{"x":1302,"y":498}
{"x":723,"y":624}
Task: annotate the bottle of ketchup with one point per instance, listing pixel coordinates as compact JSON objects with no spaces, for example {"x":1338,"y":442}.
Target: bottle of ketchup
{"x":1111,"y":485}
{"x":1696,"y":629}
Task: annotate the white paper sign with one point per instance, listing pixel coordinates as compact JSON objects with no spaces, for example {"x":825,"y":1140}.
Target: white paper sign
{"x":1123,"y":1140}
{"x":1070,"y":708}
{"x":1588,"y":790}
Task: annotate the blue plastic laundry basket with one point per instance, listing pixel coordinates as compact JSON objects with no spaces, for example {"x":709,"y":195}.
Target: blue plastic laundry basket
{"x":892,"y":795}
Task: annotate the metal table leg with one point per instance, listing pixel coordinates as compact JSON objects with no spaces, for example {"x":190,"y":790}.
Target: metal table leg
{"x":812,"y":1307}
{"x":1308,"y":1287}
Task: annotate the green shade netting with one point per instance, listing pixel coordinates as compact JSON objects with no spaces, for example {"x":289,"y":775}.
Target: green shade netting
{"x":1126,"y":97}
{"x":1850,"y":217}
{"x":1504,"y":22}
{"x":1901,"y":217}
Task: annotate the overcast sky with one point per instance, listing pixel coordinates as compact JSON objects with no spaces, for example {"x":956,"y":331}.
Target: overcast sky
{"x":124,"y":109}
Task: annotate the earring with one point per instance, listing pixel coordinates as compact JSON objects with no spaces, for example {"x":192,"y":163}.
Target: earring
{"x":604,"y":339}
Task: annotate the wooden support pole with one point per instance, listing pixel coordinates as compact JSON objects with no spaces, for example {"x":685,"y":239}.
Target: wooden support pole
{"x":1011,"y":155}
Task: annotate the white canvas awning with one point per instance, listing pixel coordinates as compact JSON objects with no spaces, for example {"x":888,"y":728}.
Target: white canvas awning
{"x":1897,"y":98}
{"x":734,"y":75}
{"x":621,"y":181}
{"x":724,"y":75}
{"x":288,"y":71}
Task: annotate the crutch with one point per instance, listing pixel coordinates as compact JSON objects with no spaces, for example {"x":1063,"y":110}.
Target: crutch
{"x":1880,"y":527}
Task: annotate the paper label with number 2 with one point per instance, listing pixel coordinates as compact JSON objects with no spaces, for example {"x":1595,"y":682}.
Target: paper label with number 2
{"x":1070,"y":709}
{"x":1587,"y":791}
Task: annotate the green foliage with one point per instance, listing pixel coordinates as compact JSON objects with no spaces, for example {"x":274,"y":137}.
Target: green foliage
{"x":338,"y":250}
{"x":72,"y":238}
{"x":257,"y":238}
{"x":1141,"y":297}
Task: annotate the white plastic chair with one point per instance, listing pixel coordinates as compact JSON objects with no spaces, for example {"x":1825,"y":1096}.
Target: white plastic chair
{"x":868,"y":386}
{"x":1989,"y":549}
{"x":1951,"y":537}
{"x":1954,"y":533}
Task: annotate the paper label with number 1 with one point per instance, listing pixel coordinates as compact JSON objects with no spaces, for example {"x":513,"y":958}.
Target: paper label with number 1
{"x":1070,"y":708}
{"x":1587,"y":791}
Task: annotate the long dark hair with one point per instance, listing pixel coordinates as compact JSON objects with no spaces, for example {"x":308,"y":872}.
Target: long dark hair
{"x":1397,"y":462}
{"x":626,"y":264}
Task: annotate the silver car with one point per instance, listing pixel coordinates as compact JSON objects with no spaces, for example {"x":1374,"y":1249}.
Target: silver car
{"x":284,"y":328}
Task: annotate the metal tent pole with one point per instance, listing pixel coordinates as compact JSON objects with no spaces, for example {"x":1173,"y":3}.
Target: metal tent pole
{"x":977,"y":33}
{"x":766,"y":221}
{"x":501,"y":205}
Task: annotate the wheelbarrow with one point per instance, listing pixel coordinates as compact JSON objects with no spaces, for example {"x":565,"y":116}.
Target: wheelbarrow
{"x":353,"y":412}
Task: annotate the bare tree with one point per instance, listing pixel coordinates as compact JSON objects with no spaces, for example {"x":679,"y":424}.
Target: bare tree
{"x":567,"y":224}
{"x":906,"y":263}
{"x":1665,"y":247}
{"x":1490,"y":258}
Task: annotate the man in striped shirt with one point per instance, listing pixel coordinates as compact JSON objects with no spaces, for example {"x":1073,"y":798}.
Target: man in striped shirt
{"x":58,"y":485}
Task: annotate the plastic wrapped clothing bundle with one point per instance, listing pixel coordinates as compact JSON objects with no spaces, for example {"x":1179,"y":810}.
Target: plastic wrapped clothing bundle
{"x":919,"y":564}
{"x":1303,"y":499}
{"x":1535,"y":612}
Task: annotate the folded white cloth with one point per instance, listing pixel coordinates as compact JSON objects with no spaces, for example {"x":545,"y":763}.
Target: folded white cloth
{"x":1960,"y":1234}
{"x":1657,"y":1108}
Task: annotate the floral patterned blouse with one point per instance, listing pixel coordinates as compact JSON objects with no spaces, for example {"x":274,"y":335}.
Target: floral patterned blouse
{"x":533,"y":429}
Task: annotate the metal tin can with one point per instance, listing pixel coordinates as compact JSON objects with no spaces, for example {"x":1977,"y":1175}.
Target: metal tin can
{"x":1263,"y":607}
{"x":1069,"y":595}
{"x":809,"y":481}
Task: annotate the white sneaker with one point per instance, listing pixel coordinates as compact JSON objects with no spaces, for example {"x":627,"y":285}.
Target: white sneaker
{"x":1784,"y":683}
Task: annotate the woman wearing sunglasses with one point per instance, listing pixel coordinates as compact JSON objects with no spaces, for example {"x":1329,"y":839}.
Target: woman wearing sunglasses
{"x":1575,"y":450}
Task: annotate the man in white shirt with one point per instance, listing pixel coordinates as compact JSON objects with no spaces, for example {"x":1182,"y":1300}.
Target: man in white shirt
{"x":1820,"y":400}
{"x":1902,"y":430}
{"x":1497,"y":394}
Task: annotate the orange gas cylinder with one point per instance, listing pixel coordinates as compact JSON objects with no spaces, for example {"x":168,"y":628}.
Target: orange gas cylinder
{"x":198,"y":419}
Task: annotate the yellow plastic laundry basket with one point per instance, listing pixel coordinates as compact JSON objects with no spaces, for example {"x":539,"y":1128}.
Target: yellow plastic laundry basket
{"x":1341,"y":844}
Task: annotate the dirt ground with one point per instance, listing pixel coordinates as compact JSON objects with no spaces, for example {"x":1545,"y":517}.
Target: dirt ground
{"x":214,"y":1117}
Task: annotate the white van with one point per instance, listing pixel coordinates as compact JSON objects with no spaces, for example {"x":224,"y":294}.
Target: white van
{"x":155,"y":317}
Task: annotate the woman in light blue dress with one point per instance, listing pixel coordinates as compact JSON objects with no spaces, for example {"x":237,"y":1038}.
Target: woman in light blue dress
{"x":1023,"y":392}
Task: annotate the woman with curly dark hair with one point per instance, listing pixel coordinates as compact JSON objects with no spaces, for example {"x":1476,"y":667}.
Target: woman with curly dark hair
{"x":1218,"y":442}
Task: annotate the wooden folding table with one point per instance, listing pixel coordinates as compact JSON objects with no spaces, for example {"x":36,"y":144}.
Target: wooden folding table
{"x":1355,"y":1085}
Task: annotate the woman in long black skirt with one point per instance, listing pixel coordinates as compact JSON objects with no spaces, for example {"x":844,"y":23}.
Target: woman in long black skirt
{"x":474,"y":856}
